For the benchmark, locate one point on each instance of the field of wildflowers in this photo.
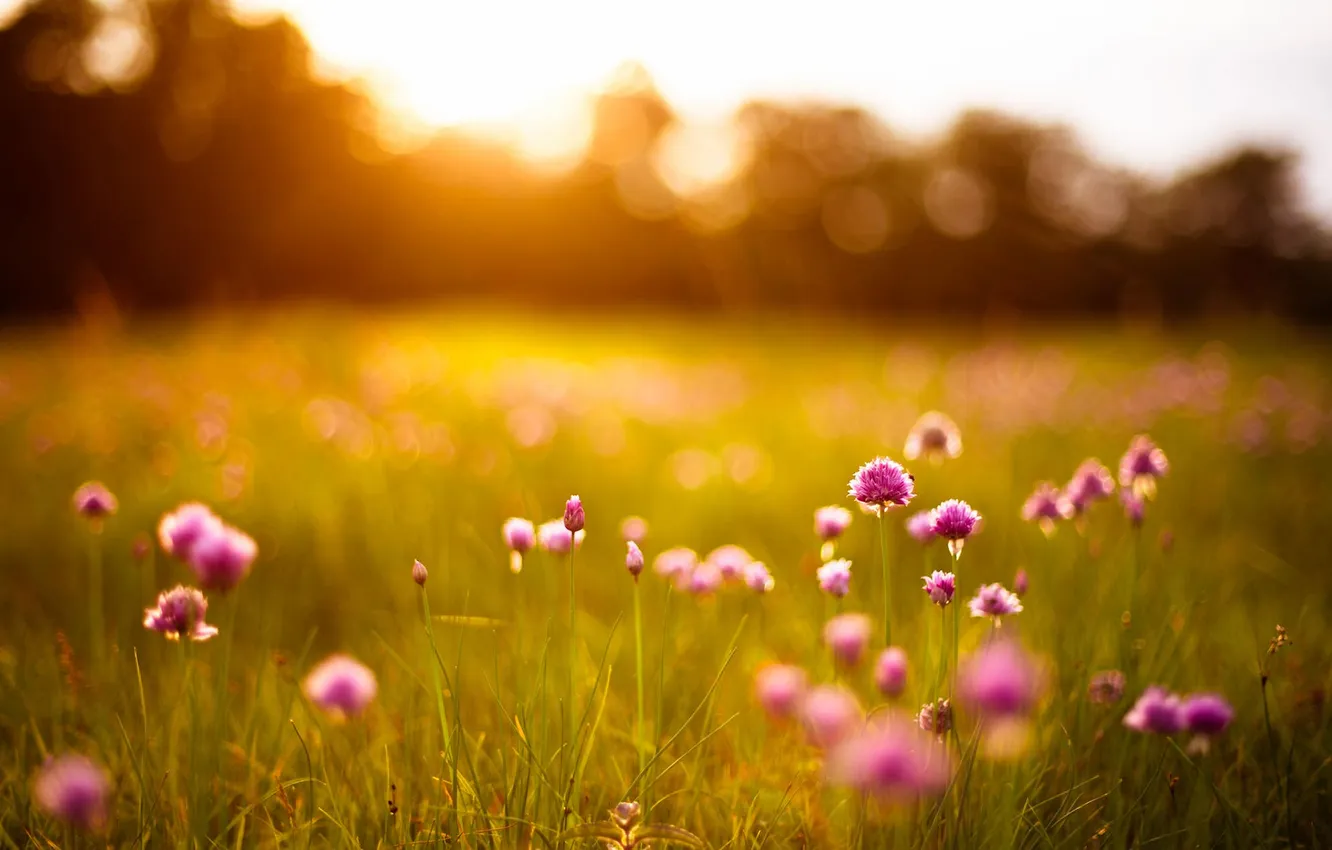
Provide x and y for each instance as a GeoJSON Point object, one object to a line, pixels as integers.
{"type": "Point", "coordinates": [314, 580]}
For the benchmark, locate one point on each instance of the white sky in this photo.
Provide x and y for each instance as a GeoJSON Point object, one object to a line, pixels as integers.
{"type": "Point", "coordinates": [1151, 83]}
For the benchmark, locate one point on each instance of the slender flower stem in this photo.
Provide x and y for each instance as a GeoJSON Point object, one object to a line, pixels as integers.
{"type": "Point", "coordinates": [943, 653]}
{"type": "Point", "coordinates": [957, 612]}
{"type": "Point", "coordinates": [639, 743]}
{"type": "Point", "coordinates": [570, 732]}
{"type": "Point", "coordinates": [95, 623]}
{"type": "Point", "coordinates": [887, 588]}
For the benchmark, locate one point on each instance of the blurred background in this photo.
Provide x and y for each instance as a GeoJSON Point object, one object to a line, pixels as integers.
{"type": "Point", "coordinates": [1168, 160]}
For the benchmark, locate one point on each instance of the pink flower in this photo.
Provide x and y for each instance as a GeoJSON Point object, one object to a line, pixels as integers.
{"type": "Point", "coordinates": [829, 714]}
{"type": "Point", "coordinates": [633, 559]}
{"type": "Point", "coordinates": [1046, 505]}
{"type": "Point", "coordinates": [419, 573]}
{"type": "Point", "coordinates": [93, 501]}
{"type": "Point", "coordinates": [520, 536]}
{"type": "Point", "coordinates": [779, 688]}
{"type": "Point", "coordinates": [554, 538]}
{"type": "Point", "coordinates": [1000, 680]}
{"type": "Point", "coordinates": [1157, 711]}
{"type": "Point", "coordinates": [831, 522]}
{"type": "Point", "coordinates": [1020, 582]}
{"type": "Point", "coordinates": [675, 562]}
{"type": "Point", "coordinates": [341, 685]}
{"type": "Point", "coordinates": [1141, 465]}
{"type": "Point", "coordinates": [891, 759]}
{"type": "Point", "coordinates": [835, 577]}
{"type": "Point", "coordinates": [73, 789]}
{"type": "Point", "coordinates": [954, 521]}
{"type": "Point", "coordinates": [882, 484]}
{"type": "Point", "coordinates": [1106, 687]}
{"type": "Point", "coordinates": [757, 577]}
{"type": "Point", "coordinates": [890, 673]}
{"type": "Point", "coordinates": [181, 529]}
{"type": "Point", "coordinates": [730, 560]}
{"type": "Point", "coordinates": [940, 586]}
{"type": "Point", "coordinates": [934, 436]}
{"type": "Point", "coordinates": [222, 558]}
{"type": "Point", "coordinates": [705, 579]}
{"type": "Point", "coordinates": [180, 613]}
{"type": "Point", "coordinates": [1091, 483]}
{"type": "Point", "coordinates": [574, 516]}
{"type": "Point", "coordinates": [847, 635]}
{"type": "Point", "coordinates": [1206, 714]}
{"type": "Point", "coordinates": [634, 529]}
{"type": "Point", "coordinates": [921, 527]}
{"type": "Point", "coordinates": [936, 717]}
{"type": "Point", "coordinates": [993, 600]}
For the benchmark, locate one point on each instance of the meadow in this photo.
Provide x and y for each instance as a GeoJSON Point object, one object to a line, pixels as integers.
{"type": "Point", "coordinates": [349, 447]}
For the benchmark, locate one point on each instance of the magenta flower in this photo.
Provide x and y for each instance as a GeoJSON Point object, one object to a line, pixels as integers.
{"type": "Point", "coordinates": [890, 672]}
{"type": "Point", "coordinates": [633, 559]}
{"type": "Point", "coordinates": [1046, 505]}
{"type": "Point", "coordinates": [936, 717]}
{"type": "Point", "coordinates": [1020, 582]}
{"type": "Point", "coordinates": [934, 436]}
{"type": "Point", "coordinates": [179, 530]}
{"type": "Point", "coordinates": [419, 573]}
{"type": "Point", "coordinates": [520, 536]}
{"type": "Point", "coordinates": [954, 521]}
{"type": "Point", "coordinates": [222, 558]}
{"type": "Point", "coordinates": [1157, 711]}
{"type": "Point", "coordinates": [993, 600]}
{"type": "Point", "coordinates": [940, 587]}
{"type": "Point", "coordinates": [835, 577]}
{"type": "Point", "coordinates": [554, 538]}
{"type": "Point", "coordinates": [1206, 714]}
{"type": "Point", "coordinates": [634, 529]}
{"type": "Point", "coordinates": [1091, 483]}
{"type": "Point", "coordinates": [779, 689]}
{"type": "Point", "coordinates": [72, 788]}
{"type": "Point", "coordinates": [1000, 680]}
{"type": "Point", "coordinates": [829, 714]}
{"type": "Point", "coordinates": [1106, 687]}
{"type": "Point", "coordinates": [847, 635]}
{"type": "Point", "coordinates": [93, 501]}
{"type": "Point", "coordinates": [705, 579]}
{"type": "Point", "coordinates": [921, 527]}
{"type": "Point", "coordinates": [757, 577]}
{"type": "Point", "coordinates": [341, 685]}
{"type": "Point", "coordinates": [730, 560]}
{"type": "Point", "coordinates": [882, 484]}
{"type": "Point", "coordinates": [831, 522]}
{"type": "Point", "coordinates": [675, 562]}
{"type": "Point", "coordinates": [1141, 465]}
{"type": "Point", "coordinates": [180, 613]}
{"type": "Point", "coordinates": [891, 760]}
{"type": "Point", "coordinates": [574, 516]}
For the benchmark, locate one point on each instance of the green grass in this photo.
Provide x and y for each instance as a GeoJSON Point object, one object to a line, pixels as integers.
{"type": "Point", "coordinates": [349, 446]}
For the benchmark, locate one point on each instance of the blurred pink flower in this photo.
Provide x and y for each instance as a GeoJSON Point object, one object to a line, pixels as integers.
{"type": "Point", "coordinates": [934, 436]}
{"type": "Point", "coordinates": [341, 685]}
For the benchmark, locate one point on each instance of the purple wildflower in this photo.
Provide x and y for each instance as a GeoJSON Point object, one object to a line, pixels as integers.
{"type": "Point", "coordinates": [779, 689]}
{"type": "Point", "coordinates": [940, 586]}
{"type": "Point", "coordinates": [1106, 687]}
{"type": "Point", "coordinates": [574, 516]}
{"type": "Point", "coordinates": [179, 530]}
{"type": "Point", "coordinates": [520, 536]}
{"type": "Point", "coordinates": [891, 759]}
{"type": "Point", "coordinates": [93, 501]}
{"type": "Point", "coordinates": [847, 635]}
{"type": "Point", "coordinates": [890, 672]}
{"type": "Point", "coordinates": [730, 560]}
{"type": "Point", "coordinates": [1000, 680]}
{"type": "Point", "coordinates": [222, 558]}
{"type": "Point", "coordinates": [936, 717]}
{"type": "Point", "coordinates": [829, 713]}
{"type": "Point", "coordinates": [674, 562]}
{"type": "Point", "coordinates": [882, 484]}
{"type": "Point", "coordinates": [993, 600]}
{"type": "Point", "coordinates": [1045, 505]}
{"type": "Point", "coordinates": [934, 436]}
{"type": "Point", "coordinates": [633, 559]}
{"type": "Point", "coordinates": [180, 613]}
{"type": "Point", "coordinates": [955, 521]}
{"type": "Point", "coordinates": [634, 529]}
{"type": "Point", "coordinates": [835, 577]}
{"type": "Point", "coordinates": [419, 573]}
{"type": "Point", "coordinates": [1207, 714]}
{"type": "Point", "coordinates": [341, 685]}
{"type": "Point", "coordinates": [1091, 482]}
{"type": "Point", "coordinates": [830, 523]}
{"type": "Point", "coordinates": [72, 788]}
{"type": "Point", "coordinates": [1158, 711]}
{"type": "Point", "coordinates": [921, 527]}
{"type": "Point", "coordinates": [758, 578]}
{"type": "Point", "coordinates": [1141, 465]}
{"type": "Point", "coordinates": [554, 538]}
{"type": "Point", "coordinates": [1020, 582]}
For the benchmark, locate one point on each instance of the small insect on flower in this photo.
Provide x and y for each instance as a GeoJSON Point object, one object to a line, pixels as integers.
{"type": "Point", "coordinates": [994, 600]}
{"type": "Point", "coordinates": [1141, 466]}
{"type": "Point", "coordinates": [954, 521]}
{"type": "Point", "coordinates": [1000, 680]}
{"type": "Point", "coordinates": [675, 562]}
{"type": "Point", "coordinates": [179, 530]}
{"type": "Point", "coordinates": [1045, 506]}
{"type": "Point", "coordinates": [554, 538]}
{"type": "Point", "coordinates": [1157, 711]}
{"type": "Point", "coordinates": [222, 558]}
{"type": "Point", "coordinates": [180, 613]}
{"type": "Point", "coordinates": [847, 635]}
{"type": "Point", "coordinates": [936, 717]}
{"type": "Point", "coordinates": [633, 559]}
{"type": "Point", "coordinates": [1106, 687]}
{"type": "Point", "coordinates": [892, 760]}
{"type": "Point", "coordinates": [829, 713]}
{"type": "Point", "coordinates": [730, 560]}
{"type": "Point", "coordinates": [1206, 714]}
{"type": "Point", "coordinates": [634, 529]}
{"type": "Point", "coordinates": [758, 579]}
{"type": "Point", "coordinates": [830, 523]}
{"type": "Point", "coordinates": [94, 501]}
{"type": "Point", "coordinates": [835, 577]}
{"type": "Point", "coordinates": [890, 672]}
{"type": "Point", "coordinates": [779, 689]}
{"type": "Point", "coordinates": [935, 437]}
{"type": "Point", "coordinates": [574, 516]}
{"type": "Point", "coordinates": [419, 573]}
{"type": "Point", "coordinates": [341, 685]}
{"type": "Point", "coordinates": [881, 484]}
{"type": "Point", "coordinates": [520, 536]}
{"type": "Point", "coordinates": [920, 526]}
{"type": "Point", "coordinates": [940, 587]}
{"type": "Point", "coordinates": [72, 788]}
{"type": "Point", "coordinates": [1091, 482]}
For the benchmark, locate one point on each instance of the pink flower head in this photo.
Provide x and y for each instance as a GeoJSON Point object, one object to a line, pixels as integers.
{"type": "Point", "coordinates": [520, 536]}
{"type": "Point", "coordinates": [1141, 465]}
{"type": "Point", "coordinates": [341, 685]}
{"type": "Point", "coordinates": [675, 562]}
{"type": "Point", "coordinates": [779, 688]}
{"type": "Point", "coordinates": [882, 484]}
{"type": "Point", "coordinates": [847, 635]}
{"type": "Point", "coordinates": [1135, 509]}
{"type": "Point", "coordinates": [1091, 483]}
{"type": "Point", "coordinates": [829, 713]}
{"type": "Point", "coordinates": [705, 579]}
{"type": "Point", "coordinates": [993, 600]}
{"type": "Point", "coordinates": [730, 560]}
{"type": "Point", "coordinates": [891, 759]}
{"type": "Point", "coordinates": [1157, 711]}
{"type": "Point", "coordinates": [1020, 582]}
{"type": "Point", "coordinates": [1046, 505]}
{"type": "Point", "coordinates": [574, 516]}
{"type": "Point", "coordinates": [831, 522]}
{"type": "Point", "coordinates": [634, 529]}
{"type": "Point", "coordinates": [1206, 714]}
{"type": "Point", "coordinates": [633, 559]}
{"type": "Point", "coordinates": [73, 789]}
{"type": "Point", "coordinates": [419, 573]}
{"type": "Point", "coordinates": [954, 521]}
{"type": "Point", "coordinates": [180, 613]}
{"type": "Point", "coordinates": [757, 577]}
{"type": "Point", "coordinates": [920, 526]}
{"type": "Point", "coordinates": [934, 436]}
{"type": "Point", "coordinates": [1106, 687]}
{"type": "Point", "coordinates": [890, 672]}
{"type": "Point", "coordinates": [179, 530]}
{"type": "Point", "coordinates": [835, 577]}
{"type": "Point", "coordinates": [940, 586]}
{"type": "Point", "coordinates": [1000, 680]}
{"type": "Point", "coordinates": [936, 717]}
{"type": "Point", "coordinates": [93, 501]}
{"type": "Point", "coordinates": [222, 558]}
{"type": "Point", "coordinates": [554, 538]}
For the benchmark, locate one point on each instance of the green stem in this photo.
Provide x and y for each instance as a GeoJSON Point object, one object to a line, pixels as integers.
{"type": "Point", "coordinates": [887, 588]}
{"type": "Point", "coordinates": [95, 622]}
{"type": "Point", "coordinates": [639, 743]}
{"type": "Point", "coordinates": [570, 732]}
{"type": "Point", "coordinates": [943, 654]}
{"type": "Point", "coordinates": [957, 613]}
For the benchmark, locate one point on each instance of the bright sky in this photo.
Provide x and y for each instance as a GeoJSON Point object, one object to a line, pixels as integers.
{"type": "Point", "coordinates": [1152, 83]}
